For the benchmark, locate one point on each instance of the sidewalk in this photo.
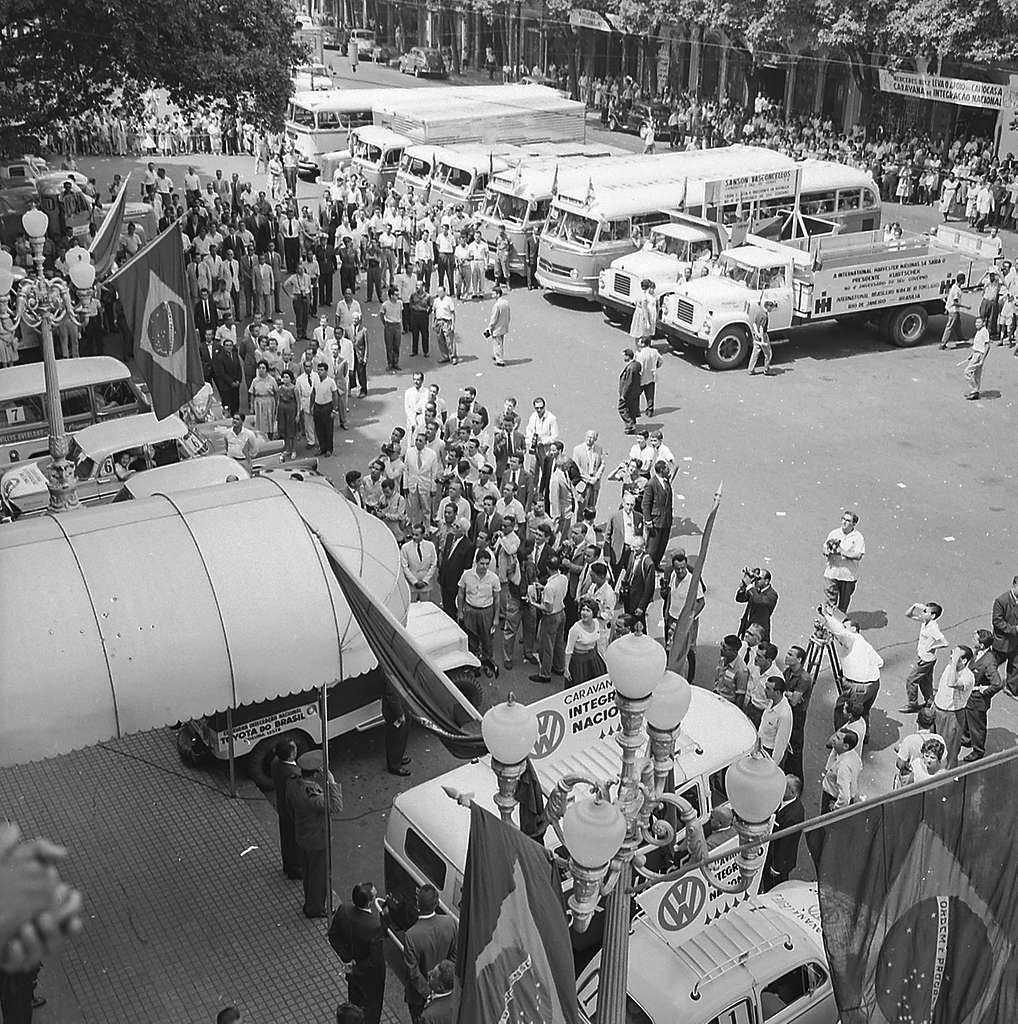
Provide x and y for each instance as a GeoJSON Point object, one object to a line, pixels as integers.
{"type": "Point", "coordinates": [186, 908]}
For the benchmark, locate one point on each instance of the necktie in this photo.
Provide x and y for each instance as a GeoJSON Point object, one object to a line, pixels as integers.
{"type": "Point", "coordinates": [448, 546]}
{"type": "Point", "coordinates": [420, 556]}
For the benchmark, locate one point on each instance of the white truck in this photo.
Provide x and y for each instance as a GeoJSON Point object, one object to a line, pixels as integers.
{"type": "Point", "coordinates": [853, 278]}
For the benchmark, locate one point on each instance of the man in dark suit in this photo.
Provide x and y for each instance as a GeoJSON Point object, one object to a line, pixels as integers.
{"type": "Point", "coordinates": [454, 557]}
{"type": "Point", "coordinates": [283, 768]}
{"type": "Point", "coordinates": [637, 583]}
{"type": "Point", "coordinates": [629, 390]}
{"type": "Point", "coordinates": [626, 522]}
{"type": "Point", "coordinates": [1005, 637]}
{"type": "Point", "coordinates": [206, 316]}
{"type": "Point", "coordinates": [443, 1005]}
{"type": "Point", "coordinates": [988, 685]}
{"type": "Point", "coordinates": [508, 441]}
{"type": "Point", "coordinates": [524, 481]}
{"type": "Point", "coordinates": [657, 511]}
{"type": "Point", "coordinates": [760, 599]}
{"type": "Point", "coordinates": [783, 854]}
{"type": "Point", "coordinates": [357, 935]}
{"type": "Point", "coordinates": [488, 521]}
{"type": "Point", "coordinates": [207, 349]}
{"type": "Point", "coordinates": [397, 731]}
{"type": "Point", "coordinates": [425, 945]}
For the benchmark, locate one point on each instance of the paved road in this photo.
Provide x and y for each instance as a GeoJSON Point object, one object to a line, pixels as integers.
{"type": "Point", "coordinates": [847, 422]}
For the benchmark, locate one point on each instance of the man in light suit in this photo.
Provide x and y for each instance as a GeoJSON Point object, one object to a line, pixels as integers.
{"type": "Point", "coordinates": [419, 562]}
{"type": "Point", "coordinates": [426, 944]}
{"type": "Point", "coordinates": [561, 500]}
{"type": "Point", "coordinates": [420, 472]}
{"type": "Point", "coordinates": [623, 527]}
{"type": "Point", "coordinates": [657, 511]}
{"type": "Point", "coordinates": [589, 459]}
{"type": "Point", "coordinates": [1005, 637]}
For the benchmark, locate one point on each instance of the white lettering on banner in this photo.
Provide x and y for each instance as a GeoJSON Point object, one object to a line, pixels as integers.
{"type": "Point", "coordinates": [963, 91]}
{"type": "Point", "coordinates": [750, 188]}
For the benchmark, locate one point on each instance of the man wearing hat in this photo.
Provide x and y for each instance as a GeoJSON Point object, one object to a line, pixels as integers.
{"type": "Point", "coordinates": [307, 798]}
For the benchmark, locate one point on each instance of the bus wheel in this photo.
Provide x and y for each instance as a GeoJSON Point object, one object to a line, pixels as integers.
{"type": "Point", "coordinates": [191, 747]}
{"type": "Point", "coordinates": [258, 763]}
{"type": "Point", "coordinates": [468, 684]}
{"type": "Point", "coordinates": [908, 326]}
{"type": "Point", "coordinates": [730, 349]}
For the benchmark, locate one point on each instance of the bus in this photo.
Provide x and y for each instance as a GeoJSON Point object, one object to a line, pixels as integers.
{"type": "Point", "coordinates": [597, 211]}
{"type": "Point", "coordinates": [375, 154]}
{"type": "Point", "coordinates": [321, 121]}
{"type": "Point", "coordinates": [461, 175]}
{"type": "Point", "coordinates": [93, 389]}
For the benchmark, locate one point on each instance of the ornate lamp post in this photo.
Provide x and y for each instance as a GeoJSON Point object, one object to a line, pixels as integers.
{"type": "Point", "coordinates": [42, 304]}
{"type": "Point", "coordinates": [609, 834]}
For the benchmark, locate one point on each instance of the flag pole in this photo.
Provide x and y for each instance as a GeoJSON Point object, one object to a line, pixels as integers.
{"type": "Point", "coordinates": [323, 712]}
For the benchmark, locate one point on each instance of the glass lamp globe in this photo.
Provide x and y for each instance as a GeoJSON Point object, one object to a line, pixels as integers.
{"type": "Point", "coordinates": [755, 787]}
{"type": "Point", "coordinates": [35, 223]}
{"type": "Point", "coordinates": [82, 275]}
{"type": "Point", "coordinates": [509, 731]}
{"type": "Point", "coordinates": [669, 702]}
{"type": "Point", "coordinates": [594, 831]}
{"type": "Point", "coordinates": [6, 260]}
{"type": "Point", "coordinates": [77, 255]}
{"type": "Point", "coordinates": [6, 281]}
{"type": "Point", "coordinates": [636, 665]}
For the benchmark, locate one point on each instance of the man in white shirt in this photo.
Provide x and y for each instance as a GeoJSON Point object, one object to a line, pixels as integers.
{"type": "Point", "coordinates": [414, 399]}
{"type": "Point", "coordinates": [508, 505]}
{"type": "Point", "coordinates": [419, 562]}
{"type": "Point", "coordinates": [420, 473]}
{"type": "Point", "coordinates": [542, 430]}
{"type": "Point", "coordinates": [956, 683]}
{"type": "Point", "coordinates": [840, 782]}
{"type": "Point", "coordinates": [305, 399]}
{"type": "Point", "coordinates": [976, 361]}
{"type": "Point", "coordinates": [456, 499]}
{"type": "Point", "coordinates": [348, 310]}
{"type": "Point", "coordinates": [860, 664]}
{"type": "Point", "coordinates": [446, 245]}
{"type": "Point", "coordinates": [775, 728]}
{"type": "Point", "coordinates": [931, 640]}
{"type": "Point", "coordinates": [952, 331]}
{"type": "Point", "coordinates": [594, 583]}
{"type": "Point", "coordinates": [284, 337]}
{"type": "Point", "coordinates": [652, 449]}
{"type": "Point", "coordinates": [241, 443]}
{"type": "Point", "coordinates": [551, 632]}
{"type": "Point", "coordinates": [444, 309]}
{"type": "Point", "coordinates": [843, 549]}
{"type": "Point", "coordinates": [650, 360]}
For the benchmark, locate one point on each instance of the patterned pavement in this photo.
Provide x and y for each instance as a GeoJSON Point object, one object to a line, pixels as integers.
{"type": "Point", "coordinates": [187, 909]}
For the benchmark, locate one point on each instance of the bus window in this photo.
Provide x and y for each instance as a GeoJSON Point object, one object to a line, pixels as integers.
{"type": "Point", "coordinates": [870, 199]}
{"type": "Point", "coordinates": [718, 792]}
{"type": "Point", "coordinates": [76, 405]}
{"type": "Point", "coordinates": [848, 199]}
{"type": "Point", "coordinates": [616, 230]}
{"type": "Point", "coordinates": [392, 158]}
{"type": "Point", "coordinates": [539, 211]}
{"type": "Point", "coordinates": [22, 412]}
{"type": "Point", "coordinates": [457, 177]}
{"type": "Point", "coordinates": [818, 203]}
{"type": "Point", "coordinates": [425, 858]}
{"type": "Point", "coordinates": [302, 116]}
{"type": "Point", "coordinates": [113, 399]}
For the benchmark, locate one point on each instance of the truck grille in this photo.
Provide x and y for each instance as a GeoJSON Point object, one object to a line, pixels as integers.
{"type": "Point", "coordinates": [684, 311]}
{"type": "Point", "coordinates": [623, 284]}
{"type": "Point", "coordinates": [553, 268]}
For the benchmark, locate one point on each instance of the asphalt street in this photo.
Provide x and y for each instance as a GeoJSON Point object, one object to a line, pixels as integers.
{"type": "Point", "coordinates": [846, 422]}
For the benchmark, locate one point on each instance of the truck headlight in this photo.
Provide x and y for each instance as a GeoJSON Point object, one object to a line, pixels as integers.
{"type": "Point", "coordinates": [574, 274]}
{"type": "Point", "coordinates": [601, 280]}
{"type": "Point", "coordinates": [706, 329]}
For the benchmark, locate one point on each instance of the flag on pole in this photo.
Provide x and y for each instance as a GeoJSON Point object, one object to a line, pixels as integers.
{"type": "Point", "coordinates": [554, 182]}
{"type": "Point", "coordinates": [432, 700]}
{"type": "Point", "coordinates": [682, 635]}
{"type": "Point", "coordinates": [103, 249]}
{"type": "Point", "coordinates": [515, 960]}
{"type": "Point", "coordinates": [919, 901]}
{"type": "Point", "coordinates": [152, 289]}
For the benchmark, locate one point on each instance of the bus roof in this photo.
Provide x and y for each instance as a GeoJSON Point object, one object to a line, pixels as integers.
{"type": "Point", "coordinates": [27, 378]}
{"type": "Point", "coordinates": [339, 99]}
{"type": "Point", "coordinates": [375, 135]}
{"type": "Point", "coordinates": [614, 201]}
{"type": "Point", "coordinates": [819, 174]}
{"type": "Point", "coordinates": [534, 177]}
{"type": "Point", "coordinates": [477, 158]}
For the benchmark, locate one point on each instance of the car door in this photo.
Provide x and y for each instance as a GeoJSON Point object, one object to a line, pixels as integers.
{"type": "Point", "coordinates": [776, 295]}
{"type": "Point", "coordinates": [106, 482]}
{"type": "Point", "coordinates": [801, 995]}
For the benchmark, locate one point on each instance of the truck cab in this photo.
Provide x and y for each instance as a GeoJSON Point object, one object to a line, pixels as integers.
{"type": "Point", "coordinates": [671, 255]}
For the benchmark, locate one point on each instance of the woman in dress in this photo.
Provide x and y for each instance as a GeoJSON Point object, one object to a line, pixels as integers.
{"type": "Point", "coordinates": [286, 414]}
{"type": "Point", "coordinates": [263, 399]}
{"type": "Point", "coordinates": [584, 646]}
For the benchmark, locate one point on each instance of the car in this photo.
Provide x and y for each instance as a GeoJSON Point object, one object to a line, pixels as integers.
{"type": "Point", "coordinates": [423, 60]}
{"type": "Point", "coordinates": [384, 53]}
{"type": "Point", "coordinates": [365, 38]}
{"type": "Point", "coordinates": [311, 76]}
{"type": "Point", "coordinates": [547, 82]}
{"type": "Point", "coordinates": [631, 117]}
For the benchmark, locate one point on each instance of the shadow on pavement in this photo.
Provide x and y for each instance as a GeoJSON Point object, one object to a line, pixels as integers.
{"type": "Point", "coordinates": [869, 620]}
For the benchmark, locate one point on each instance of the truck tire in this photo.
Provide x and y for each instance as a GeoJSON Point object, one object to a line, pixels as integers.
{"type": "Point", "coordinates": [191, 747]}
{"type": "Point", "coordinates": [907, 326]}
{"type": "Point", "coordinates": [258, 763]}
{"type": "Point", "coordinates": [468, 684]}
{"type": "Point", "coordinates": [730, 349]}
{"type": "Point", "coordinates": [884, 323]}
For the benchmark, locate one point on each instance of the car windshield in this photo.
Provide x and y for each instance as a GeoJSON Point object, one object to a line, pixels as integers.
{"type": "Point", "coordinates": [415, 166]}
{"type": "Point", "coordinates": [663, 243]}
{"type": "Point", "coordinates": [575, 228]}
{"type": "Point", "coordinates": [741, 273]}
{"type": "Point", "coordinates": [455, 177]}
{"type": "Point", "coordinates": [508, 208]}
{"type": "Point", "coordinates": [367, 152]}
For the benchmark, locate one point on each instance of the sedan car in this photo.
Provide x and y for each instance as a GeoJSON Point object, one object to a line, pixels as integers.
{"type": "Point", "coordinates": [420, 61]}
{"type": "Point", "coordinates": [631, 117]}
{"type": "Point", "coordinates": [365, 39]}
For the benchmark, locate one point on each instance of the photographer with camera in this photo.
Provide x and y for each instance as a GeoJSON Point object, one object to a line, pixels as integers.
{"type": "Point", "coordinates": [759, 597]}
{"type": "Point", "coordinates": [843, 550]}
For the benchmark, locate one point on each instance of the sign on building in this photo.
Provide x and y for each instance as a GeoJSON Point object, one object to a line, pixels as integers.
{"type": "Point", "coordinates": [963, 91]}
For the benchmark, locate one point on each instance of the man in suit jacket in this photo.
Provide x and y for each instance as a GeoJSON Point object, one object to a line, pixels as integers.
{"type": "Point", "coordinates": [488, 521]}
{"type": "Point", "coordinates": [629, 390]}
{"type": "Point", "coordinates": [247, 264]}
{"type": "Point", "coordinates": [623, 526]}
{"type": "Point", "coordinates": [207, 348]}
{"type": "Point", "coordinates": [760, 599]}
{"type": "Point", "coordinates": [425, 945]}
{"type": "Point", "coordinates": [561, 499]}
{"type": "Point", "coordinates": [638, 580]}
{"type": "Point", "coordinates": [508, 441]}
{"type": "Point", "coordinates": [988, 684]}
{"type": "Point", "coordinates": [455, 557]}
{"type": "Point", "coordinates": [419, 562]}
{"type": "Point", "coordinates": [783, 854]}
{"type": "Point", "coordinates": [1005, 637]}
{"type": "Point", "coordinates": [523, 480]}
{"type": "Point", "coordinates": [283, 768]}
{"type": "Point", "coordinates": [357, 935]}
{"type": "Point", "coordinates": [589, 459]}
{"type": "Point", "coordinates": [443, 1005]}
{"type": "Point", "coordinates": [206, 315]}
{"type": "Point", "coordinates": [657, 511]}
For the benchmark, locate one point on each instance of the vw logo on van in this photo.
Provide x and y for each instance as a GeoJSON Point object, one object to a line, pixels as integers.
{"type": "Point", "coordinates": [551, 729]}
{"type": "Point", "coordinates": [682, 904]}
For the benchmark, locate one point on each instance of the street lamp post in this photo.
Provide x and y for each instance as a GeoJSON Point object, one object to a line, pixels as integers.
{"type": "Point", "coordinates": [42, 304]}
{"type": "Point", "coordinates": [609, 835]}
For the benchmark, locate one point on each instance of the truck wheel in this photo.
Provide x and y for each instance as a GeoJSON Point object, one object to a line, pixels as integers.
{"type": "Point", "coordinates": [884, 323]}
{"type": "Point", "coordinates": [468, 684]}
{"type": "Point", "coordinates": [908, 326]}
{"type": "Point", "coordinates": [730, 349]}
{"type": "Point", "coordinates": [258, 763]}
{"type": "Point", "coordinates": [191, 747]}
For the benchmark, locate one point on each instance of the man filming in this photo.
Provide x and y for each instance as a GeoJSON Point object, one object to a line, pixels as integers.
{"type": "Point", "coordinates": [759, 597]}
{"type": "Point", "coordinates": [843, 550]}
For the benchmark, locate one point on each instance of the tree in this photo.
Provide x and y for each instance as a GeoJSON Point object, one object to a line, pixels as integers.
{"type": "Point", "coordinates": [61, 59]}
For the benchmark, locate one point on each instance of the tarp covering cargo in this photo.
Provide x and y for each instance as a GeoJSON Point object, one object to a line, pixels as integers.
{"type": "Point", "coordinates": [133, 615]}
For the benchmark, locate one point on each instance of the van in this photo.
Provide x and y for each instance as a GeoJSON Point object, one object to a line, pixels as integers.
{"type": "Point", "coordinates": [427, 832]}
{"type": "Point", "coordinates": [93, 389]}
{"type": "Point", "coordinates": [376, 154]}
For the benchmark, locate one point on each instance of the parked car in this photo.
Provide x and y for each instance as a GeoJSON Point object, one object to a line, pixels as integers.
{"type": "Point", "coordinates": [365, 41]}
{"type": "Point", "coordinates": [631, 117]}
{"type": "Point", "coordinates": [311, 76]}
{"type": "Point", "coordinates": [423, 60]}
{"type": "Point", "coordinates": [384, 53]}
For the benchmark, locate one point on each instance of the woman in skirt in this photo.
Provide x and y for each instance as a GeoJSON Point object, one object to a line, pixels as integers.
{"type": "Point", "coordinates": [584, 645]}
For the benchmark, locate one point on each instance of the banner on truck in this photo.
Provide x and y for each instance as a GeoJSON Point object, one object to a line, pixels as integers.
{"type": "Point", "coordinates": [751, 188]}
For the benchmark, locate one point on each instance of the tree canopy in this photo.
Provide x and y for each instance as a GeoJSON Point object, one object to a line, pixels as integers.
{"type": "Point", "coordinates": [64, 58]}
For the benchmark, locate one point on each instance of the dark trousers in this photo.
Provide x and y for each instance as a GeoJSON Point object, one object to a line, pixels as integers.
{"type": "Point", "coordinates": [418, 331]}
{"type": "Point", "coordinates": [347, 279]}
{"type": "Point", "coordinates": [300, 314]}
{"type": "Point", "coordinates": [532, 274]}
{"type": "Point", "coordinates": [445, 272]}
{"type": "Point", "coordinates": [449, 602]}
{"type": "Point", "coordinates": [406, 317]}
{"type": "Point", "coordinates": [647, 390]}
{"type": "Point", "coordinates": [862, 694]}
{"type": "Point", "coordinates": [826, 802]}
{"type": "Point", "coordinates": [323, 428]}
{"type": "Point", "coordinates": [975, 724]}
{"type": "Point", "coordinates": [17, 990]}
{"type": "Point", "coordinates": [920, 680]}
{"type": "Point", "coordinates": [629, 410]}
{"type": "Point", "coordinates": [657, 541]}
{"type": "Point", "coordinates": [838, 593]}
{"type": "Point", "coordinates": [360, 375]}
{"type": "Point", "coordinates": [289, 851]}
{"type": "Point", "coordinates": [1010, 661]}
{"type": "Point", "coordinates": [393, 335]}
{"type": "Point", "coordinates": [325, 289]}
{"type": "Point", "coordinates": [988, 310]}
{"type": "Point", "coordinates": [315, 882]}
{"type": "Point", "coordinates": [396, 737]}
{"type": "Point", "coordinates": [374, 281]}
{"type": "Point", "coordinates": [365, 988]}
{"type": "Point", "coordinates": [291, 253]}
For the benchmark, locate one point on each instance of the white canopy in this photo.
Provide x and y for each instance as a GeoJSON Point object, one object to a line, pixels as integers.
{"type": "Point", "coordinates": [128, 616]}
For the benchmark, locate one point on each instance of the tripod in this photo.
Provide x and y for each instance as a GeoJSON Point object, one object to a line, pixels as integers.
{"type": "Point", "coordinates": [820, 642]}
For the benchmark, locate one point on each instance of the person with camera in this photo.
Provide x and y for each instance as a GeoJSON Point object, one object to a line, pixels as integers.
{"type": "Point", "coordinates": [759, 597]}
{"type": "Point", "coordinates": [356, 934]}
{"type": "Point", "coordinates": [843, 550]}
{"type": "Point", "coordinates": [860, 664]}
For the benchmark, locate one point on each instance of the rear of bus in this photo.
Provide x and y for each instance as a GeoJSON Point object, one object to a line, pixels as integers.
{"type": "Point", "coordinates": [376, 154]}
{"type": "Point", "coordinates": [93, 389]}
